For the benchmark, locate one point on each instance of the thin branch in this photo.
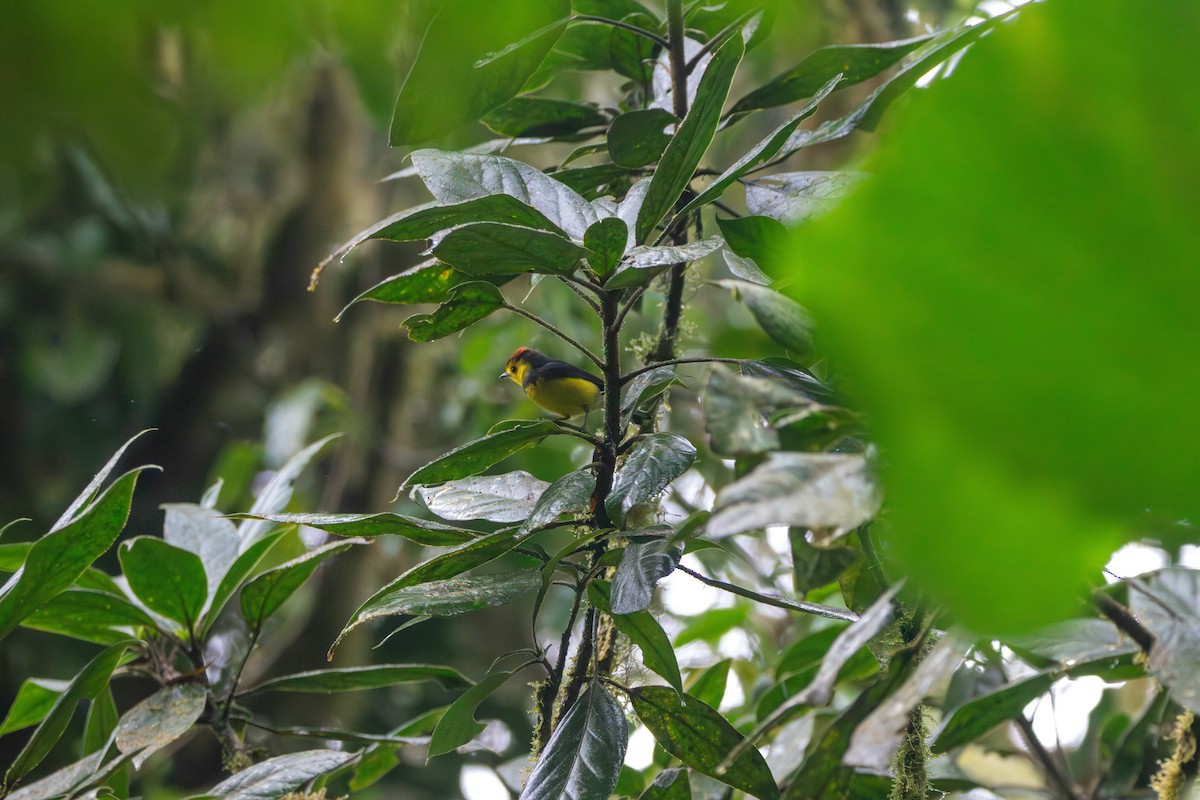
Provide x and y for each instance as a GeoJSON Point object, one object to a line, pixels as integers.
{"type": "Point", "coordinates": [555, 330]}
{"type": "Point", "coordinates": [578, 433]}
{"type": "Point", "coordinates": [775, 600]}
{"type": "Point", "coordinates": [616, 23]}
{"type": "Point", "coordinates": [574, 285]}
{"type": "Point", "coordinates": [237, 678]}
{"type": "Point", "coordinates": [671, 362]}
{"type": "Point", "coordinates": [592, 286]}
{"type": "Point", "coordinates": [1123, 618]}
{"type": "Point", "coordinates": [1046, 761]}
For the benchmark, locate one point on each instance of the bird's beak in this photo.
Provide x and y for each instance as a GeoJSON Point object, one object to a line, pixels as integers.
{"type": "Point", "coordinates": [504, 375]}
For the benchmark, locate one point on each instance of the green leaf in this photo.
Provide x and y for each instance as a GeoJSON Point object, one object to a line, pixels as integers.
{"type": "Point", "coordinates": [245, 564]}
{"type": "Point", "coordinates": [542, 116]}
{"type": "Point", "coordinates": [764, 151]}
{"type": "Point", "coordinates": [61, 782]}
{"type": "Point", "coordinates": [56, 560]}
{"type": "Point", "coordinates": [34, 700]}
{"type": "Point", "coordinates": [12, 555]}
{"type": "Point", "coordinates": [428, 282]}
{"type": "Point", "coordinates": [782, 318]}
{"type": "Point", "coordinates": [442, 566]}
{"type": "Point", "coordinates": [168, 580]}
{"type": "Point", "coordinates": [690, 143]}
{"type": "Point", "coordinates": [421, 531]}
{"type": "Point", "coordinates": [458, 726]}
{"type": "Point", "coordinates": [643, 388]}
{"type": "Point", "coordinates": [570, 494]}
{"type": "Point", "coordinates": [821, 773]}
{"type": "Point", "coordinates": [649, 467]}
{"type": "Point", "coordinates": [204, 532]}
{"type": "Point", "coordinates": [670, 784]}
{"type": "Point", "coordinates": [88, 683]}
{"type": "Point", "coordinates": [458, 177]}
{"type": "Point", "coordinates": [510, 497]}
{"type": "Point", "coordinates": [89, 615]}
{"type": "Point", "coordinates": [93, 488]}
{"type": "Point", "coordinates": [643, 263]}
{"type": "Point", "coordinates": [159, 720]}
{"type": "Point", "coordinates": [606, 239]}
{"type": "Point", "coordinates": [709, 686]}
{"type": "Point", "coordinates": [976, 717]}
{"type": "Point", "coordinates": [641, 628]}
{"type": "Point", "coordinates": [813, 490]}
{"type": "Point", "coordinates": [424, 222]}
{"type": "Point", "coordinates": [493, 248]}
{"type": "Point", "coordinates": [1167, 602]}
{"type": "Point", "coordinates": [638, 138]}
{"type": "Point", "coordinates": [794, 197]}
{"type": "Point", "coordinates": [275, 777]}
{"type": "Point", "coordinates": [736, 409]}
{"type": "Point", "coordinates": [1074, 641]}
{"type": "Point", "coordinates": [1036, 436]}
{"type": "Point", "coordinates": [763, 239]}
{"type": "Point", "coordinates": [474, 457]}
{"type": "Point", "coordinates": [854, 63]}
{"type": "Point", "coordinates": [452, 596]}
{"type": "Point", "coordinates": [262, 597]}
{"type": "Point", "coordinates": [447, 87]}
{"type": "Point", "coordinates": [354, 679]}
{"type": "Point", "coordinates": [709, 626]}
{"type": "Point", "coordinates": [102, 720]}
{"type": "Point", "coordinates": [584, 755]}
{"type": "Point", "coordinates": [274, 497]}
{"type": "Point", "coordinates": [701, 738]}
{"type": "Point", "coordinates": [468, 303]}
{"type": "Point", "coordinates": [642, 565]}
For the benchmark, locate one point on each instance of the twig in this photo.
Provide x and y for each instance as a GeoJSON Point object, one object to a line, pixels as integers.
{"type": "Point", "coordinates": [574, 285]}
{"type": "Point", "coordinates": [632, 301]}
{"type": "Point", "coordinates": [555, 330]}
{"type": "Point", "coordinates": [616, 23]}
{"type": "Point", "coordinates": [1046, 760]}
{"type": "Point", "coordinates": [775, 600]}
{"type": "Point", "coordinates": [1124, 619]}
{"type": "Point", "coordinates": [673, 361]}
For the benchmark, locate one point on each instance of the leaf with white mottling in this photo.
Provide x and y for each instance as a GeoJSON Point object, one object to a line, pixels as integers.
{"type": "Point", "coordinates": [270, 779]}
{"type": "Point", "coordinates": [510, 497]}
{"type": "Point", "coordinates": [159, 720]}
{"type": "Point", "coordinates": [811, 490]}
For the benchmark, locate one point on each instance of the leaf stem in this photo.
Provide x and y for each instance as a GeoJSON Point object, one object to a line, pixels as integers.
{"type": "Point", "coordinates": [555, 330]}
{"type": "Point", "coordinates": [616, 23]}
{"type": "Point", "coordinates": [800, 606]}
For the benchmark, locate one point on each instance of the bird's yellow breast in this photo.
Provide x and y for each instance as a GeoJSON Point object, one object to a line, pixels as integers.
{"type": "Point", "coordinates": [567, 397]}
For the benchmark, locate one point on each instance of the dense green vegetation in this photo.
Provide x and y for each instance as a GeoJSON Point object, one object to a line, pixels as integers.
{"type": "Point", "coordinates": [851, 559]}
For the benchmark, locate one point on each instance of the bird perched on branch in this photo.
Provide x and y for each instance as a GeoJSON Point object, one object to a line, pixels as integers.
{"type": "Point", "coordinates": [560, 388]}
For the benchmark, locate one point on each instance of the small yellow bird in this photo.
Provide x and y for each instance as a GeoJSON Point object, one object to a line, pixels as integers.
{"type": "Point", "coordinates": [558, 387]}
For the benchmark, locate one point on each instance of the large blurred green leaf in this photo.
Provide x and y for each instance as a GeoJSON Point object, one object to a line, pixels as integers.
{"type": "Point", "coordinates": [1032, 381]}
{"type": "Point", "coordinates": [467, 66]}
